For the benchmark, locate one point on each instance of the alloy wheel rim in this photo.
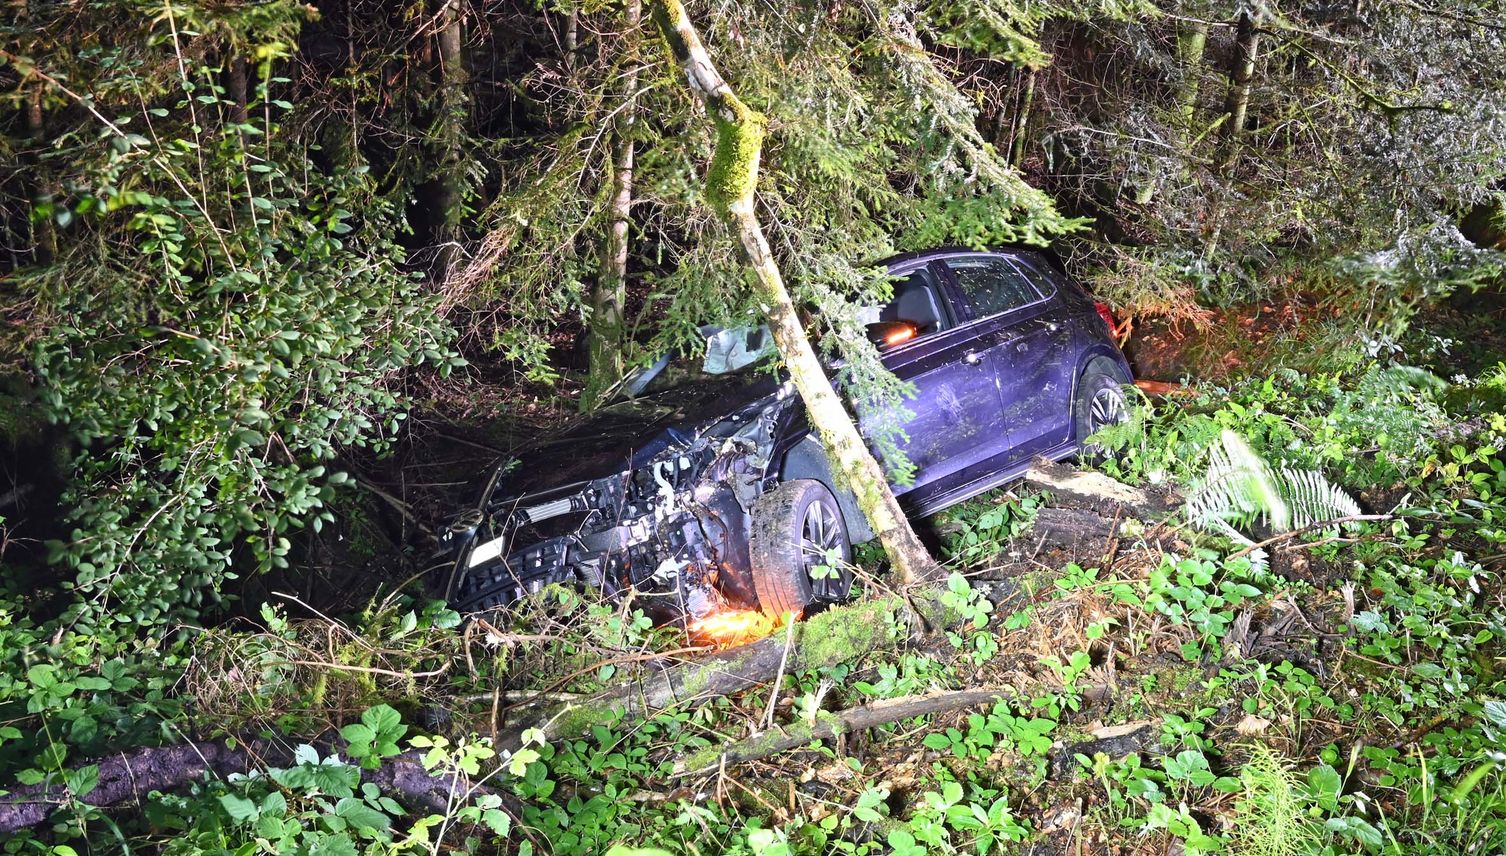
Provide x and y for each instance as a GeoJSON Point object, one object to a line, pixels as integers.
{"type": "Point", "coordinates": [1106, 408]}
{"type": "Point", "coordinates": [820, 534]}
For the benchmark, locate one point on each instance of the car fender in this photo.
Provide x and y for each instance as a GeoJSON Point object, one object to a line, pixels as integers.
{"type": "Point", "coordinates": [1097, 350]}
{"type": "Point", "coordinates": [807, 460]}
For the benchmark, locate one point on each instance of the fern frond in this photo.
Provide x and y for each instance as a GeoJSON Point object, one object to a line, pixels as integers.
{"type": "Point", "coordinates": [1240, 488]}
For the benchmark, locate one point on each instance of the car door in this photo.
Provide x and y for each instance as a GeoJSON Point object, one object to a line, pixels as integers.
{"type": "Point", "coordinates": [1027, 345]}
{"type": "Point", "coordinates": [951, 419]}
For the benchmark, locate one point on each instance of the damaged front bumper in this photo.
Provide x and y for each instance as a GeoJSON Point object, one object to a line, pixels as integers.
{"type": "Point", "coordinates": [671, 530]}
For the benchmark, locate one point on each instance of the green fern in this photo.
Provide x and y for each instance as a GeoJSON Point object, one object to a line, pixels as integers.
{"type": "Point", "coordinates": [1240, 489]}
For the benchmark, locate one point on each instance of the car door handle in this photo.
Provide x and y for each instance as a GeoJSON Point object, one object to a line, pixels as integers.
{"type": "Point", "coordinates": [972, 358]}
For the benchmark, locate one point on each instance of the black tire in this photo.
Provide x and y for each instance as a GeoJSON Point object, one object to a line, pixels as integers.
{"type": "Point", "coordinates": [794, 526]}
{"type": "Point", "coordinates": [1099, 401]}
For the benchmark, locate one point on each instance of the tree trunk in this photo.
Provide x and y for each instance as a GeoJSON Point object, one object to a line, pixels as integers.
{"type": "Point", "coordinates": [449, 182]}
{"type": "Point", "coordinates": [731, 181]}
{"type": "Point", "coordinates": [1022, 122]}
{"type": "Point", "coordinates": [128, 776]}
{"type": "Point", "coordinates": [44, 234]}
{"type": "Point", "coordinates": [1241, 73]}
{"type": "Point", "coordinates": [1192, 42]}
{"type": "Point", "coordinates": [605, 326]}
{"type": "Point", "coordinates": [235, 87]}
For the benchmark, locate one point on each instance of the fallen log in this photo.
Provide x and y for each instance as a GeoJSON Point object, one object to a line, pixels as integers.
{"type": "Point", "coordinates": [831, 725]}
{"type": "Point", "coordinates": [828, 638]}
{"type": "Point", "coordinates": [127, 777]}
{"type": "Point", "coordinates": [1098, 492]}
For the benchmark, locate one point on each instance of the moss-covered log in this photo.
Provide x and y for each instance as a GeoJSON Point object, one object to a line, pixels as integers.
{"type": "Point", "coordinates": [731, 181]}
{"type": "Point", "coordinates": [829, 638]}
{"type": "Point", "coordinates": [126, 777]}
{"type": "Point", "coordinates": [831, 725]}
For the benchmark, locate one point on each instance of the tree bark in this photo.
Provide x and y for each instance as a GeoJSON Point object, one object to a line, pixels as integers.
{"type": "Point", "coordinates": [129, 776]}
{"type": "Point", "coordinates": [1192, 43]}
{"type": "Point", "coordinates": [1097, 491]}
{"type": "Point", "coordinates": [450, 180]}
{"type": "Point", "coordinates": [1241, 74]}
{"type": "Point", "coordinates": [605, 326]}
{"type": "Point", "coordinates": [1021, 128]}
{"type": "Point", "coordinates": [235, 87]}
{"type": "Point", "coordinates": [731, 182]}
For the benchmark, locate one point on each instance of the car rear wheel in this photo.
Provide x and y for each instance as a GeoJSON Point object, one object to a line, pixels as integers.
{"type": "Point", "coordinates": [1100, 402]}
{"type": "Point", "coordinates": [799, 549]}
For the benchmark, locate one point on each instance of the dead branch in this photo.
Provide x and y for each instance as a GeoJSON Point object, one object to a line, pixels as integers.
{"type": "Point", "coordinates": [832, 725]}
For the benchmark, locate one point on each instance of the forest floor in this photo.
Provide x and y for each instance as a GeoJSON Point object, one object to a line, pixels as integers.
{"type": "Point", "coordinates": [1149, 689]}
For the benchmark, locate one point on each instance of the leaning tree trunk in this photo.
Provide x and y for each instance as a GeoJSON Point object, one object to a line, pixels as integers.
{"type": "Point", "coordinates": [730, 184]}
{"type": "Point", "coordinates": [604, 329]}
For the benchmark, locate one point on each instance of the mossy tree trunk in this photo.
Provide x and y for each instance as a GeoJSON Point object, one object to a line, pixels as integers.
{"type": "Point", "coordinates": [731, 182]}
{"type": "Point", "coordinates": [1241, 76]}
{"type": "Point", "coordinates": [605, 326]}
{"type": "Point", "coordinates": [1021, 128]}
{"type": "Point", "coordinates": [1192, 43]}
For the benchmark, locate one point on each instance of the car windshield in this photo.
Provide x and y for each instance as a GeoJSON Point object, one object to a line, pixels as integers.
{"type": "Point", "coordinates": [726, 351]}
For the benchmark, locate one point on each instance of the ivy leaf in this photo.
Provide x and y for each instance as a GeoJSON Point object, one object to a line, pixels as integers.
{"type": "Point", "coordinates": [362, 817]}
{"type": "Point", "coordinates": [239, 808]}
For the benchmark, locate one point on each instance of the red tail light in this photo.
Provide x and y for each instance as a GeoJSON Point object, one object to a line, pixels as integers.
{"type": "Point", "coordinates": [1107, 315]}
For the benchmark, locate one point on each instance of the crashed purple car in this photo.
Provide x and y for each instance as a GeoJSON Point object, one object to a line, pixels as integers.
{"type": "Point", "coordinates": [703, 488]}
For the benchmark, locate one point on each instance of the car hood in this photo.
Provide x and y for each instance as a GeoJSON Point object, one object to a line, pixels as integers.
{"type": "Point", "coordinates": [624, 435]}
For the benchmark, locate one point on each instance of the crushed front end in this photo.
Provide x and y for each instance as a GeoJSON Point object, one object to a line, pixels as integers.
{"type": "Point", "coordinates": [671, 527]}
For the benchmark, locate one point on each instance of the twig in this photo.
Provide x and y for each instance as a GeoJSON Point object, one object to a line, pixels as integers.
{"type": "Point", "coordinates": [371, 670]}
{"type": "Point", "coordinates": [1322, 524]}
{"type": "Point", "coordinates": [789, 642]}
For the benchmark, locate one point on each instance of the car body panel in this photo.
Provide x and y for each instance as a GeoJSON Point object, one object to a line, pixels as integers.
{"type": "Point", "coordinates": [654, 494]}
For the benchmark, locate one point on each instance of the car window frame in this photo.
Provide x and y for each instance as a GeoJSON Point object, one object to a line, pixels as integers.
{"type": "Point", "coordinates": [949, 307]}
{"type": "Point", "coordinates": [963, 305]}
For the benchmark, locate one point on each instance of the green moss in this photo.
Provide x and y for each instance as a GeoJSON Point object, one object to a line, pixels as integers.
{"type": "Point", "coordinates": [733, 174]}
{"type": "Point", "coordinates": [844, 633]}
{"type": "Point", "coordinates": [576, 720]}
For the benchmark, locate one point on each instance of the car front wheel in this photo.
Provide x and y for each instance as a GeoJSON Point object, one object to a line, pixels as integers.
{"type": "Point", "coordinates": [799, 549]}
{"type": "Point", "coordinates": [1099, 403]}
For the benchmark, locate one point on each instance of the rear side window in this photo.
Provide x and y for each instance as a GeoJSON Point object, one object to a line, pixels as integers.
{"type": "Point", "coordinates": [1037, 276]}
{"type": "Point", "coordinates": [991, 284]}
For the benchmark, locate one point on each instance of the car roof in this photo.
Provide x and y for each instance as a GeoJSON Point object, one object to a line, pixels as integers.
{"type": "Point", "coordinates": [942, 252]}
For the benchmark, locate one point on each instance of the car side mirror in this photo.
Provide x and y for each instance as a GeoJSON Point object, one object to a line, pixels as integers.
{"type": "Point", "coordinates": [887, 334]}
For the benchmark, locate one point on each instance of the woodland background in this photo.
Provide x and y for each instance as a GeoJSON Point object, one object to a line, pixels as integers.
{"type": "Point", "coordinates": [261, 258]}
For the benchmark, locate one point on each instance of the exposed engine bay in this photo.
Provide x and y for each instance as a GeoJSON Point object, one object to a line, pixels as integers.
{"type": "Point", "coordinates": [671, 528]}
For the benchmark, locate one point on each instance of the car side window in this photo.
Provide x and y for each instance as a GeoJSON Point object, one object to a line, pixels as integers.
{"type": "Point", "coordinates": [991, 284]}
{"type": "Point", "coordinates": [916, 308]}
{"type": "Point", "coordinates": [1037, 275]}
{"type": "Point", "coordinates": [918, 300]}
